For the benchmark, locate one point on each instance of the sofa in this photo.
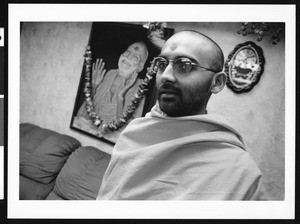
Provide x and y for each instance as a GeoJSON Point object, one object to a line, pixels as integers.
{"type": "Point", "coordinates": [55, 166]}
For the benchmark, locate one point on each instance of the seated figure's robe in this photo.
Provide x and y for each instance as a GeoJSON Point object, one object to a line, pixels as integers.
{"type": "Point", "coordinates": [105, 105]}
{"type": "Point", "coordinates": [197, 157]}
{"type": "Point", "coordinates": [105, 99]}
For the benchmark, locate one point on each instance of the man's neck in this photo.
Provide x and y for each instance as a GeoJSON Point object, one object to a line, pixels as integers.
{"type": "Point", "coordinates": [201, 112]}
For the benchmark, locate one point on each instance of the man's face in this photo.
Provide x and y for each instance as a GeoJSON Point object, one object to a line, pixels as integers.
{"type": "Point", "coordinates": [183, 95]}
{"type": "Point", "coordinates": [132, 59]}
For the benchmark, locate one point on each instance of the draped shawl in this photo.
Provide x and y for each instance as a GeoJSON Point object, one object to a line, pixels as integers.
{"type": "Point", "coordinates": [197, 157]}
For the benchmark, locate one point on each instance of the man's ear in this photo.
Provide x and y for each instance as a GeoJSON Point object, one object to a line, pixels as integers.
{"type": "Point", "coordinates": [218, 82]}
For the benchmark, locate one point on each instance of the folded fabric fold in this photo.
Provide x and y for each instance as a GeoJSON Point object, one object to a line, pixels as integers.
{"type": "Point", "coordinates": [188, 158]}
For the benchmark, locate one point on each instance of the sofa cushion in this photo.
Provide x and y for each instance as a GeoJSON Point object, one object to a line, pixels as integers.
{"type": "Point", "coordinates": [53, 196]}
{"type": "Point", "coordinates": [43, 152]}
{"type": "Point", "coordinates": [32, 190]}
{"type": "Point", "coordinates": [81, 177]}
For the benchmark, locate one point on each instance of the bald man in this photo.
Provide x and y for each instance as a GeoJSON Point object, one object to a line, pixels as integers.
{"type": "Point", "coordinates": [178, 151]}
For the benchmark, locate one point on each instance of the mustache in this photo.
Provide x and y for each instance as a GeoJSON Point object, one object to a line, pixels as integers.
{"type": "Point", "coordinates": [166, 87]}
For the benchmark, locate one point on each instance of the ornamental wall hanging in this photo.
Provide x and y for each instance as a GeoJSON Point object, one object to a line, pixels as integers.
{"type": "Point", "coordinates": [117, 83]}
{"type": "Point", "coordinates": [244, 67]}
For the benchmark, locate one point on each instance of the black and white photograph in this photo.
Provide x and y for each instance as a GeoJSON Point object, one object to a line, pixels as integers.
{"type": "Point", "coordinates": [151, 111]}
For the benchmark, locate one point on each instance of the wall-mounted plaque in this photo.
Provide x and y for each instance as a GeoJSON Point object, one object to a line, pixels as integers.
{"type": "Point", "coordinates": [244, 66]}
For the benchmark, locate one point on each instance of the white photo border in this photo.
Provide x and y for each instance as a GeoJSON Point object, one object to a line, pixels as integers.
{"type": "Point", "coordinates": [148, 209]}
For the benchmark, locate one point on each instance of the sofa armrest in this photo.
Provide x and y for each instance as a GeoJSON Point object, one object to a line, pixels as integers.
{"type": "Point", "coordinates": [32, 190]}
{"type": "Point", "coordinates": [43, 152]}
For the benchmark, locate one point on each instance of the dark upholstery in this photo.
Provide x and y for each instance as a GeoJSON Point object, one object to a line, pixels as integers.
{"type": "Point", "coordinates": [33, 190]}
{"type": "Point", "coordinates": [82, 174]}
{"type": "Point", "coordinates": [43, 152]}
{"type": "Point", "coordinates": [54, 166]}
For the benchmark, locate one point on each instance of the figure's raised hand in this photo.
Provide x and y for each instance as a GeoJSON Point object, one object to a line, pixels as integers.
{"type": "Point", "coordinates": [98, 72]}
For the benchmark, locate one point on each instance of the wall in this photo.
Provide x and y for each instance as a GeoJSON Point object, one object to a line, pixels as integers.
{"type": "Point", "coordinates": [51, 63]}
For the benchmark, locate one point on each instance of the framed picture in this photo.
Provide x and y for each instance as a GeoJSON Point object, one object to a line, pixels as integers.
{"type": "Point", "coordinates": [115, 69]}
{"type": "Point", "coordinates": [244, 66]}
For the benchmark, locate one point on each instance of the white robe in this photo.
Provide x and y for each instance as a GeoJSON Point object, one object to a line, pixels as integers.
{"type": "Point", "coordinates": [197, 157]}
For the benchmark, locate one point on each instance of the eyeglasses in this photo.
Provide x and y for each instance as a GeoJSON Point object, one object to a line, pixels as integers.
{"type": "Point", "coordinates": [182, 66]}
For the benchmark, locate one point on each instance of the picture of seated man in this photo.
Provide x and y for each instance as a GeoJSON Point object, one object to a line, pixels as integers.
{"type": "Point", "coordinates": [113, 90]}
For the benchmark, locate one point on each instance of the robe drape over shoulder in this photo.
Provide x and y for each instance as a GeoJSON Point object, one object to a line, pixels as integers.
{"type": "Point", "coordinates": [197, 157]}
{"type": "Point", "coordinates": [105, 105]}
{"type": "Point", "coordinates": [105, 101]}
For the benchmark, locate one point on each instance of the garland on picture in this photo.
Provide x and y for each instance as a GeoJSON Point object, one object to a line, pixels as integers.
{"type": "Point", "coordinates": [95, 118]}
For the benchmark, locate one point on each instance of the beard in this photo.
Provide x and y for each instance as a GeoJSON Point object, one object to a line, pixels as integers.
{"type": "Point", "coordinates": [177, 102]}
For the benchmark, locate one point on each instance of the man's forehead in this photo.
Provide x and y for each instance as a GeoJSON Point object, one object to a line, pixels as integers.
{"type": "Point", "coordinates": [184, 39]}
{"type": "Point", "coordinates": [173, 46]}
{"type": "Point", "coordinates": [187, 43]}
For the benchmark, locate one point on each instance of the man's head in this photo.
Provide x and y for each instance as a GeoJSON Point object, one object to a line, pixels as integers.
{"type": "Point", "coordinates": [184, 89]}
{"type": "Point", "coordinates": [133, 59]}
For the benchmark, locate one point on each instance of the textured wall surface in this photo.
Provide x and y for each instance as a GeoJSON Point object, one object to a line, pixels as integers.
{"type": "Point", "coordinates": [51, 63]}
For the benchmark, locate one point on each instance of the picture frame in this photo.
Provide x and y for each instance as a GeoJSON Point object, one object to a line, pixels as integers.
{"type": "Point", "coordinates": [108, 41]}
{"type": "Point", "coordinates": [244, 67]}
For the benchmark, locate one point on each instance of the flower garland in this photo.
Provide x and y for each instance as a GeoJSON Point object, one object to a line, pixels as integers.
{"type": "Point", "coordinates": [96, 119]}
{"type": "Point", "coordinates": [156, 26]}
{"type": "Point", "coordinates": [156, 33]}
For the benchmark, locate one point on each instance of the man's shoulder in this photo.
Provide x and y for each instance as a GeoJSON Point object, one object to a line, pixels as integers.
{"type": "Point", "coordinates": [239, 160]}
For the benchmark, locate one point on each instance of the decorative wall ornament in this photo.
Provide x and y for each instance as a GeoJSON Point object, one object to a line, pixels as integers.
{"type": "Point", "coordinates": [244, 67]}
{"type": "Point", "coordinates": [261, 30]}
